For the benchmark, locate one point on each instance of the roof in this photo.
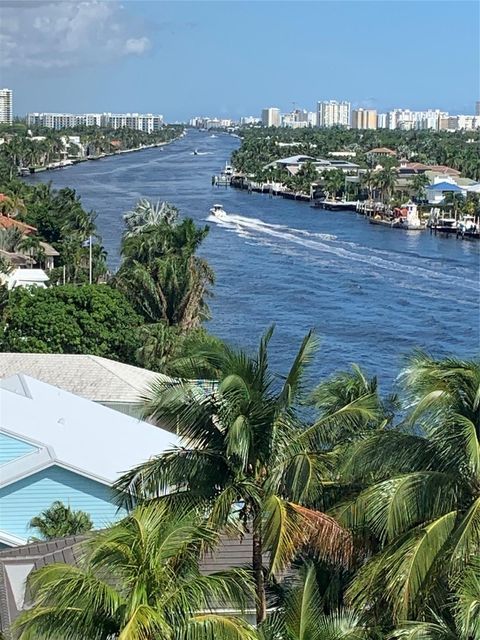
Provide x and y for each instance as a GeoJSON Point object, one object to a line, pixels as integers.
{"type": "Point", "coordinates": [444, 186]}
{"type": "Point", "coordinates": [16, 259]}
{"type": "Point", "coordinates": [91, 377]}
{"type": "Point", "coordinates": [25, 277]}
{"type": "Point", "coordinates": [6, 222]}
{"type": "Point", "coordinates": [385, 150]}
{"type": "Point", "coordinates": [48, 249]}
{"type": "Point", "coordinates": [18, 562]}
{"type": "Point", "coordinates": [72, 432]}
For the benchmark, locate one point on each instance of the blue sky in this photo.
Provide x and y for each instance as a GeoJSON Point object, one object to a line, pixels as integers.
{"type": "Point", "coordinates": [232, 58]}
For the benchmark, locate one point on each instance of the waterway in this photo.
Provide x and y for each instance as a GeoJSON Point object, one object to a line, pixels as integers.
{"type": "Point", "coordinates": [373, 294]}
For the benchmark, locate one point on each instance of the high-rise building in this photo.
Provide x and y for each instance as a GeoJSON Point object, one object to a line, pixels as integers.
{"type": "Point", "coordinates": [331, 113]}
{"type": "Point", "coordinates": [364, 119]}
{"type": "Point", "coordinates": [6, 106]}
{"type": "Point", "coordinates": [382, 121]}
{"type": "Point", "coordinates": [141, 122]}
{"type": "Point", "coordinates": [271, 117]}
{"type": "Point", "coordinates": [477, 108]}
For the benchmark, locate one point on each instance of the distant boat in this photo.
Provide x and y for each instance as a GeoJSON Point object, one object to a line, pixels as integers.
{"type": "Point", "coordinates": [218, 211]}
{"type": "Point", "coordinates": [336, 205]}
{"type": "Point", "coordinates": [195, 152]}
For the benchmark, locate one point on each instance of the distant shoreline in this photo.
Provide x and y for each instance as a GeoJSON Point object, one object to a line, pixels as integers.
{"type": "Point", "coordinates": [103, 155]}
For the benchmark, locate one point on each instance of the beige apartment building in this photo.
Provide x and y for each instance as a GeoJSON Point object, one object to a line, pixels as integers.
{"type": "Point", "coordinates": [364, 119]}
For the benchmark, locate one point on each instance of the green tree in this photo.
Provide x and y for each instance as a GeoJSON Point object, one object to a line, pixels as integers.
{"type": "Point", "coordinates": [301, 615]}
{"type": "Point", "coordinates": [333, 182]}
{"type": "Point", "coordinates": [385, 181]}
{"type": "Point", "coordinates": [247, 455]}
{"type": "Point", "coordinates": [422, 508]}
{"type": "Point", "coordinates": [93, 319]}
{"type": "Point", "coordinates": [60, 520]}
{"type": "Point", "coordinates": [419, 183]}
{"type": "Point", "coordinates": [139, 580]}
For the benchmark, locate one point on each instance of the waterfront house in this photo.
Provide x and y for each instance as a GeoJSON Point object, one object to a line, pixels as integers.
{"type": "Point", "coordinates": [55, 445]}
{"type": "Point", "coordinates": [293, 164]}
{"type": "Point", "coordinates": [113, 384]}
{"type": "Point", "coordinates": [17, 563]}
{"type": "Point", "coordinates": [436, 191]}
{"type": "Point", "coordinates": [380, 152]}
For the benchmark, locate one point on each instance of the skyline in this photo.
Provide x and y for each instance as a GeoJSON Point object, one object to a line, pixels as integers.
{"type": "Point", "coordinates": [196, 58]}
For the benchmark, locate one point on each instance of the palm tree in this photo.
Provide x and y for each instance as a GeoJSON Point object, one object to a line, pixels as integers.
{"type": "Point", "coordinates": [139, 580]}
{"type": "Point", "coordinates": [302, 616]}
{"type": "Point", "coordinates": [385, 181]}
{"type": "Point", "coordinates": [31, 247]}
{"type": "Point", "coordinates": [146, 214]}
{"type": "Point", "coordinates": [422, 509]}
{"type": "Point", "coordinates": [60, 520]}
{"type": "Point", "coordinates": [419, 182]}
{"type": "Point", "coordinates": [246, 455]}
{"type": "Point", "coordinates": [465, 623]}
{"type": "Point", "coordinates": [333, 182]}
{"type": "Point", "coordinates": [10, 239]}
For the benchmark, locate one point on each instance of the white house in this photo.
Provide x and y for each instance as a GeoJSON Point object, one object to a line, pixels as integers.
{"type": "Point", "coordinates": [58, 446]}
{"type": "Point", "coordinates": [25, 278]}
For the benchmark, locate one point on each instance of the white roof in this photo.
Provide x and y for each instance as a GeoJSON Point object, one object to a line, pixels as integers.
{"type": "Point", "coordinates": [92, 377]}
{"type": "Point", "coordinates": [26, 277]}
{"type": "Point", "coordinates": [72, 432]}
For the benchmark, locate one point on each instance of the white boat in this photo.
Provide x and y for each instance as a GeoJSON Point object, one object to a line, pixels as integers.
{"type": "Point", "coordinates": [218, 211]}
{"type": "Point", "coordinates": [408, 217]}
{"type": "Point", "coordinates": [228, 171]}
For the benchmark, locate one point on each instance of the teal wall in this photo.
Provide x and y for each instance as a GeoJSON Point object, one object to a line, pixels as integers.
{"type": "Point", "coordinates": [22, 500]}
{"type": "Point", "coordinates": [12, 448]}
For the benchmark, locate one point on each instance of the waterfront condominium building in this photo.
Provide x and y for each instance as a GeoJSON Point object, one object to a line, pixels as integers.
{"type": "Point", "coordinates": [138, 121]}
{"type": "Point", "coordinates": [364, 119]}
{"type": "Point", "coordinates": [331, 113]}
{"type": "Point", "coordinates": [477, 108]}
{"type": "Point", "coordinates": [6, 106]}
{"type": "Point", "coordinates": [271, 117]}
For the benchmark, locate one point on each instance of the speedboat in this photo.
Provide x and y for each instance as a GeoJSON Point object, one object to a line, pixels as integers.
{"type": "Point", "coordinates": [218, 211]}
{"type": "Point", "coordinates": [195, 152]}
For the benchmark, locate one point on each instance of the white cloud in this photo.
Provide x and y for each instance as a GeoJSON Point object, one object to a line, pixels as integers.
{"type": "Point", "coordinates": [137, 45]}
{"type": "Point", "coordinates": [53, 34]}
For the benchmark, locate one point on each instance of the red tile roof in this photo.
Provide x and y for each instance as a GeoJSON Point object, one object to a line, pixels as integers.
{"type": "Point", "coordinates": [7, 223]}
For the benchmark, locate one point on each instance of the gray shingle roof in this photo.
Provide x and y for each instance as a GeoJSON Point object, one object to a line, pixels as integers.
{"type": "Point", "coordinates": [92, 377]}
{"type": "Point", "coordinates": [231, 552]}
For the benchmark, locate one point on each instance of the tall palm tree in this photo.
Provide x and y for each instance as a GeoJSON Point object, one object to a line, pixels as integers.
{"type": "Point", "coordinates": [60, 520]}
{"type": "Point", "coordinates": [146, 214]}
{"type": "Point", "coordinates": [465, 622]}
{"type": "Point", "coordinates": [423, 505]}
{"type": "Point", "coordinates": [139, 580]}
{"type": "Point", "coordinates": [333, 182]}
{"type": "Point", "coordinates": [419, 182]}
{"type": "Point", "coordinates": [246, 456]}
{"type": "Point", "coordinates": [385, 181]}
{"type": "Point", "coordinates": [301, 616]}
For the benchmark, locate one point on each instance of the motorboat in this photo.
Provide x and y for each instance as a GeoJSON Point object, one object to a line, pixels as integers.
{"type": "Point", "coordinates": [406, 217]}
{"type": "Point", "coordinates": [468, 227]}
{"type": "Point", "coordinates": [195, 152]}
{"type": "Point", "coordinates": [218, 211]}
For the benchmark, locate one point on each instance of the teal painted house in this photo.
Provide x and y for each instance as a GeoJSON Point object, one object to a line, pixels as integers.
{"type": "Point", "coordinates": [55, 445]}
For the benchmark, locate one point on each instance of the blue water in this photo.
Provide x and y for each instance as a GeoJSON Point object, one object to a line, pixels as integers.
{"type": "Point", "coordinates": [372, 293]}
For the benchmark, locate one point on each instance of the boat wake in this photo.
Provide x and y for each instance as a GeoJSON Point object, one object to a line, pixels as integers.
{"type": "Point", "coordinates": [345, 253]}
{"type": "Point", "coordinates": [201, 153]}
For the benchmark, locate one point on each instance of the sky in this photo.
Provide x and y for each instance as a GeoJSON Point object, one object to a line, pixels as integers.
{"type": "Point", "coordinates": [231, 58]}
